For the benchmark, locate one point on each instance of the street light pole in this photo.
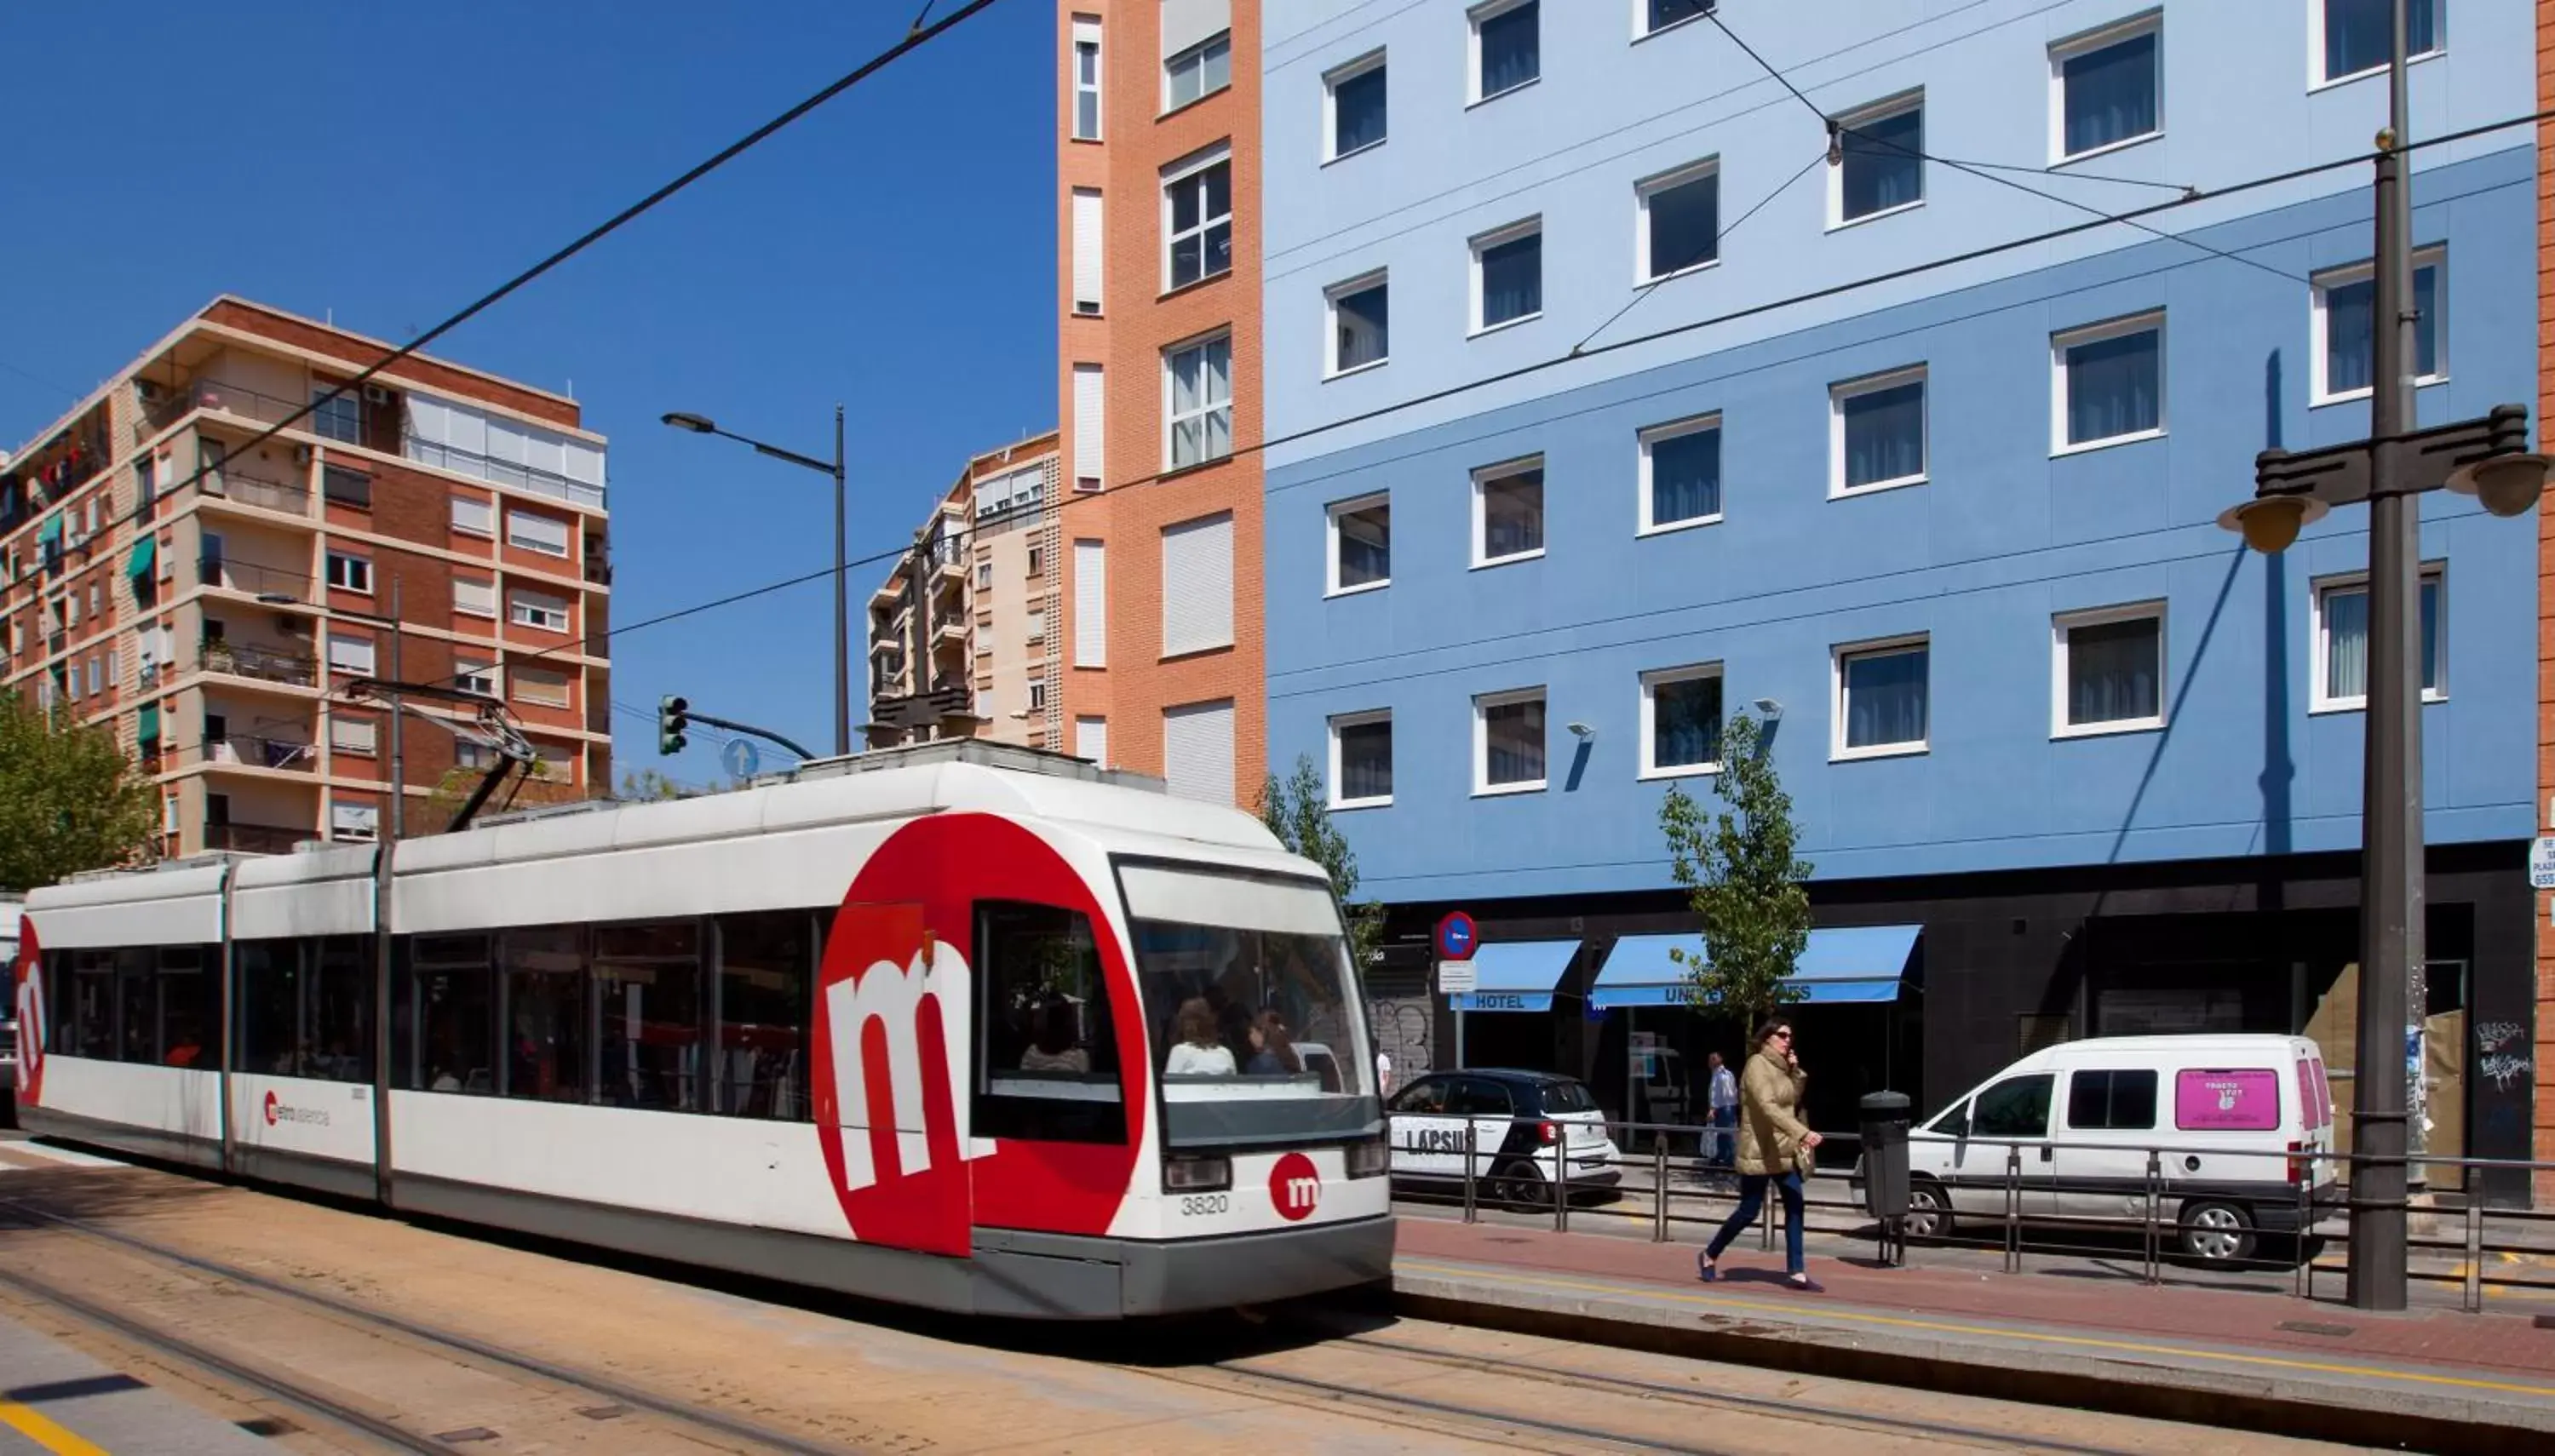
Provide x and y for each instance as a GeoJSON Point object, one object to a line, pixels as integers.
{"type": "Point", "coordinates": [2386, 1107]}
{"type": "Point", "coordinates": [842, 609]}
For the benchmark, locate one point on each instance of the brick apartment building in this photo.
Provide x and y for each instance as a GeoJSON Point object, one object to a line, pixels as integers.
{"type": "Point", "coordinates": [1158, 267]}
{"type": "Point", "coordinates": [980, 619]}
{"type": "Point", "coordinates": [207, 600]}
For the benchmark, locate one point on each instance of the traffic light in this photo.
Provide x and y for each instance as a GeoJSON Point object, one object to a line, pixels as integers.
{"type": "Point", "coordinates": [673, 715]}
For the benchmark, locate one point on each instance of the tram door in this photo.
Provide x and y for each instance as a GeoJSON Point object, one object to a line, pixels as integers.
{"type": "Point", "coordinates": [893, 1028]}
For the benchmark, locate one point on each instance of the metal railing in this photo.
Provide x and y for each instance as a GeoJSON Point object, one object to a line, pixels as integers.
{"type": "Point", "coordinates": [2190, 1203]}
{"type": "Point", "coordinates": [241, 750]}
{"type": "Point", "coordinates": [253, 578]}
{"type": "Point", "coordinates": [239, 660]}
{"type": "Point", "coordinates": [244, 489]}
{"type": "Point", "coordinates": [221, 397]}
{"type": "Point", "coordinates": [255, 838]}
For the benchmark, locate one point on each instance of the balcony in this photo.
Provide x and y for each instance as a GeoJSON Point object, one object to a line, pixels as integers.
{"type": "Point", "coordinates": [166, 408]}
{"type": "Point", "coordinates": [255, 838]}
{"type": "Point", "coordinates": [263, 664]}
{"type": "Point", "coordinates": [239, 487]}
{"type": "Point", "coordinates": [241, 750]}
{"type": "Point", "coordinates": [253, 579]}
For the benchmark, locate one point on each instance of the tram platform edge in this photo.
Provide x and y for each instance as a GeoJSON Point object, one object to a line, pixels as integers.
{"type": "Point", "coordinates": [2428, 1379]}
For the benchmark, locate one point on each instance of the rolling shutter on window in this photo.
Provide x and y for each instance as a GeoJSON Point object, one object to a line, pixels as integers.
{"type": "Point", "coordinates": [1197, 750]}
{"type": "Point", "coordinates": [1090, 604]}
{"type": "Point", "coordinates": [1091, 740]}
{"type": "Point", "coordinates": [1187, 23]}
{"type": "Point", "coordinates": [1088, 451]}
{"type": "Point", "coordinates": [1197, 585]}
{"type": "Point", "coordinates": [1086, 250]}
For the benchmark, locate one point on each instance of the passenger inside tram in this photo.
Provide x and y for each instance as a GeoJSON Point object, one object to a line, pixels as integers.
{"type": "Point", "coordinates": [1199, 1052]}
{"type": "Point", "coordinates": [1053, 1043]}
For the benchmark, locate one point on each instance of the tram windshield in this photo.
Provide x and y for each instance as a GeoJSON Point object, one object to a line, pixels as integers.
{"type": "Point", "coordinates": [1251, 1008]}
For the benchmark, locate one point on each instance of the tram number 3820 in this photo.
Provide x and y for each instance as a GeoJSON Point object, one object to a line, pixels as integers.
{"type": "Point", "coordinates": [1197, 1204]}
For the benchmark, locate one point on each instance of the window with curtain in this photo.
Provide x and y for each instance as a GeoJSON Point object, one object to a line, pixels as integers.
{"type": "Point", "coordinates": [1881, 433]}
{"type": "Point", "coordinates": [1357, 105]}
{"type": "Point", "coordinates": [1512, 740]}
{"type": "Point", "coordinates": [1885, 696]}
{"type": "Point", "coordinates": [2114, 384]}
{"type": "Point", "coordinates": [1361, 320]}
{"type": "Point", "coordinates": [1685, 720]}
{"type": "Point", "coordinates": [1201, 402]}
{"type": "Point", "coordinates": [1881, 163]}
{"type": "Point", "coordinates": [1683, 467]}
{"type": "Point", "coordinates": [1511, 514]}
{"type": "Point", "coordinates": [1680, 222]}
{"type": "Point", "coordinates": [2107, 93]}
{"type": "Point", "coordinates": [2346, 301]}
{"type": "Point", "coordinates": [1364, 764]}
{"type": "Point", "coordinates": [2344, 610]}
{"type": "Point", "coordinates": [1511, 277]}
{"type": "Point", "coordinates": [2114, 672]}
{"type": "Point", "coordinates": [1362, 544]}
{"type": "Point", "coordinates": [1509, 42]}
{"type": "Point", "coordinates": [2360, 35]}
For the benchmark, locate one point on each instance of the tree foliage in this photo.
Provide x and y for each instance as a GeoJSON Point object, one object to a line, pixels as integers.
{"type": "Point", "coordinates": [70, 800]}
{"type": "Point", "coordinates": [1297, 810]}
{"type": "Point", "coordinates": [648, 785]}
{"type": "Point", "coordinates": [1740, 878]}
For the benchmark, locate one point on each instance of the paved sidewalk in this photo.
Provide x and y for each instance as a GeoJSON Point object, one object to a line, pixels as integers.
{"type": "Point", "coordinates": [54, 1399]}
{"type": "Point", "coordinates": [2239, 1356]}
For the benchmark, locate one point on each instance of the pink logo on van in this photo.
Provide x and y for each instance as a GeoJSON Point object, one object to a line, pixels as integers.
{"type": "Point", "coordinates": [2227, 1100]}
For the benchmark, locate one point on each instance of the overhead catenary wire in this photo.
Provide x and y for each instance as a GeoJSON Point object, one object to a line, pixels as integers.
{"type": "Point", "coordinates": [1009, 516]}
{"type": "Point", "coordinates": [1719, 236]}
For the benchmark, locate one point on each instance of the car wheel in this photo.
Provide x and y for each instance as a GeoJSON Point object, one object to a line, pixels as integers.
{"type": "Point", "coordinates": [2216, 1233]}
{"type": "Point", "coordinates": [1929, 1211]}
{"type": "Point", "coordinates": [1515, 1185]}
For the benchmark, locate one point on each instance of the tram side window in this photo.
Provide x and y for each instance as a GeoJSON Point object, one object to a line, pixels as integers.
{"type": "Point", "coordinates": [304, 1007]}
{"type": "Point", "coordinates": [137, 1004]}
{"type": "Point", "coordinates": [151, 1005]}
{"type": "Point", "coordinates": [546, 1027]}
{"type": "Point", "coordinates": [767, 980]}
{"type": "Point", "coordinates": [648, 993]}
{"type": "Point", "coordinates": [1049, 1070]}
{"type": "Point", "coordinates": [267, 993]}
{"type": "Point", "coordinates": [191, 1006]}
{"type": "Point", "coordinates": [450, 1014]}
{"type": "Point", "coordinates": [88, 1028]}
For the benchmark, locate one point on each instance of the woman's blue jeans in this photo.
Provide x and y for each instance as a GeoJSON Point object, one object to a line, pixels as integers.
{"type": "Point", "coordinates": [1751, 1201]}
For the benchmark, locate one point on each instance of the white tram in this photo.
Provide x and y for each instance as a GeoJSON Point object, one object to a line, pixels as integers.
{"type": "Point", "coordinates": [966, 1027]}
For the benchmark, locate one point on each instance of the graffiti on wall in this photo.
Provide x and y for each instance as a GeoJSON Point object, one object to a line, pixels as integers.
{"type": "Point", "coordinates": [1402, 1025]}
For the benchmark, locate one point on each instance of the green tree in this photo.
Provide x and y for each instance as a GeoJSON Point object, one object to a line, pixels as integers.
{"type": "Point", "coordinates": [70, 800]}
{"type": "Point", "coordinates": [647, 785]}
{"type": "Point", "coordinates": [1297, 810]}
{"type": "Point", "coordinates": [1740, 878]}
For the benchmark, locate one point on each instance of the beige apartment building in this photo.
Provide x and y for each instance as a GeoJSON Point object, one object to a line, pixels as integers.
{"type": "Point", "coordinates": [209, 598]}
{"type": "Point", "coordinates": [975, 605]}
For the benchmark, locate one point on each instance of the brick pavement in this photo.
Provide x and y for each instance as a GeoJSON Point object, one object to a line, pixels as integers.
{"type": "Point", "coordinates": [2068, 1307]}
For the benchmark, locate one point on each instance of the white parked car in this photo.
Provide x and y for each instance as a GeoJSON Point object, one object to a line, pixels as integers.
{"type": "Point", "coordinates": [2247, 1122]}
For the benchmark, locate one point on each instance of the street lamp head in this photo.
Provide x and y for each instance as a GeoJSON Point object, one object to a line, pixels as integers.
{"type": "Point", "coordinates": [2270, 524]}
{"type": "Point", "coordinates": [696, 424]}
{"type": "Point", "coordinates": [1769, 708]}
{"type": "Point", "coordinates": [1581, 730]}
{"type": "Point", "coordinates": [2506, 485]}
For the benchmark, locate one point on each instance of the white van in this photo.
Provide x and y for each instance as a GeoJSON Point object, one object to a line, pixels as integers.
{"type": "Point", "coordinates": [2246, 1121]}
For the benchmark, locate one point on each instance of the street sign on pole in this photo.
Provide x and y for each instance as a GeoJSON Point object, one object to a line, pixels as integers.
{"type": "Point", "coordinates": [1457, 937]}
{"type": "Point", "coordinates": [1456, 977]}
{"type": "Point", "coordinates": [2541, 863]}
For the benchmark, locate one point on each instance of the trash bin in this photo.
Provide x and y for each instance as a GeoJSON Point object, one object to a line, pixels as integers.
{"type": "Point", "coordinates": [1886, 1118]}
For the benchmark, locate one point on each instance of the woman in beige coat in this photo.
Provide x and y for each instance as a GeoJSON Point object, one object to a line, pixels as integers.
{"type": "Point", "coordinates": [1773, 1147]}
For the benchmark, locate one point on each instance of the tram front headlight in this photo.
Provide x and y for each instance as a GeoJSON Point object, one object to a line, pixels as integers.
{"type": "Point", "coordinates": [1198, 1174]}
{"type": "Point", "coordinates": [1370, 1159]}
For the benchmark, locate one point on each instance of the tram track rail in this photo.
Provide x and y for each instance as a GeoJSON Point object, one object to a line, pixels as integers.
{"type": "Point", "coordinates": [701, 1418]}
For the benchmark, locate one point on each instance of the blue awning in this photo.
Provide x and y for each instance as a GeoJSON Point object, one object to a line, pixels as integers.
{"type": "Point", "coordinates": [1516, 975]}
{"type": "Point", "coordinates": [1847, 965]}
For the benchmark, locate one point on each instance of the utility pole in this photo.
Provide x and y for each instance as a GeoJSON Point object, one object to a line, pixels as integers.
{"type": "Point", "coordinates": [388, 835]}
{"type": "Point", "coordinates": [842, 609]}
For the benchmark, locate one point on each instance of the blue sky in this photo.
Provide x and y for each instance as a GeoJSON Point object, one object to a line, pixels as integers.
{"type": "Point", "coordinates": [387, 163]}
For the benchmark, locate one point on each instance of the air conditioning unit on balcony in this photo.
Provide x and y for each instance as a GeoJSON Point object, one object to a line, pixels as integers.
{"type": "Point", "coordinates": [302, 455]}
{"type": "Point", "coordinates": [374, 393]}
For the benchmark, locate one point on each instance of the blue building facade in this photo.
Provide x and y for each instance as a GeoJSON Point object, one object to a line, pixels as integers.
{"type": "Point", "coordinates": [1612, 395]}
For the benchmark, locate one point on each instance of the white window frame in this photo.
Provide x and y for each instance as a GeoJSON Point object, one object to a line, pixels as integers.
{"type": "Point", "coordinates": [1481, 242]}
{"type": "Point", "coordinates": [1650, 435]}
{"type": "Point", "coordinates": [1650, 187]}
{"type": "Point", "coordinates": [1349, 71]}
{"type": "Point", "coordinates": [1379, 278]}
{"type": "Point", "coordinates": [2059, 381]}
{"type": "Point", "coordinates": [473, 676]}
{"type": "Point", "coordinates": [1038, 694]}
{"type": "Point", "coordinates": [2434, 256]}
{"type": "Point", "coordinates": [2318, 701]}
{"type": "Point", "coordinates": [985, 575]}
{"type": "Point", "coordinates": [1171, 422]}
{"type": "Point", "coordinates": [1474, 95]}
{"type": "Point", "coordinates": [1844, 390]}
{"type": "Point", "coordinates": [369, 648]}
{"type": "Point", "coordinates": [1183, 172]}
{"type": "Point", "coordinates": [467, 610]}
{"type": "Point", "coordinates": [1881, 110]}
{"type": "Point", "coordinates": [531, 609]}
{"type": "Point", "coordinates": [2063, 622]}
{"type": "Point", "coordinates": [360, 569]}
{"type": "Point", "coordinates": [1837, 656]}
{"type": "Point", "coordinates": [1485, 475]}
{"type": "Point", "coordinates": [1331, 514]}
{"type": "Point", "coordinates": [1651, 682]}
{"type": "Point", "coordinates": [567, 538]}
{"type": "Point", "coordinates": [2317, 80]}
{"type": "Point", "coordinates": [354, 823]}
{"type": "Point", "coordinates": [485, 509]}
{"type": "Point", "coordinates": [1092, 307]}
{"type": "Point", "coordinates": [2086, 44]}
{"type": "Point", "coordinates": [1482, 705]}
{"type": "Point", "coordinates": [1642, 30]}
{"type": "Point", "coordinates": [1036, 625]}
{"type": "Point", "coordinates": [1196, 55]}
{"type": "Point", "coordinates": [1086, 32]}
{"type": "Point", "coordinates": [1337, 722]}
